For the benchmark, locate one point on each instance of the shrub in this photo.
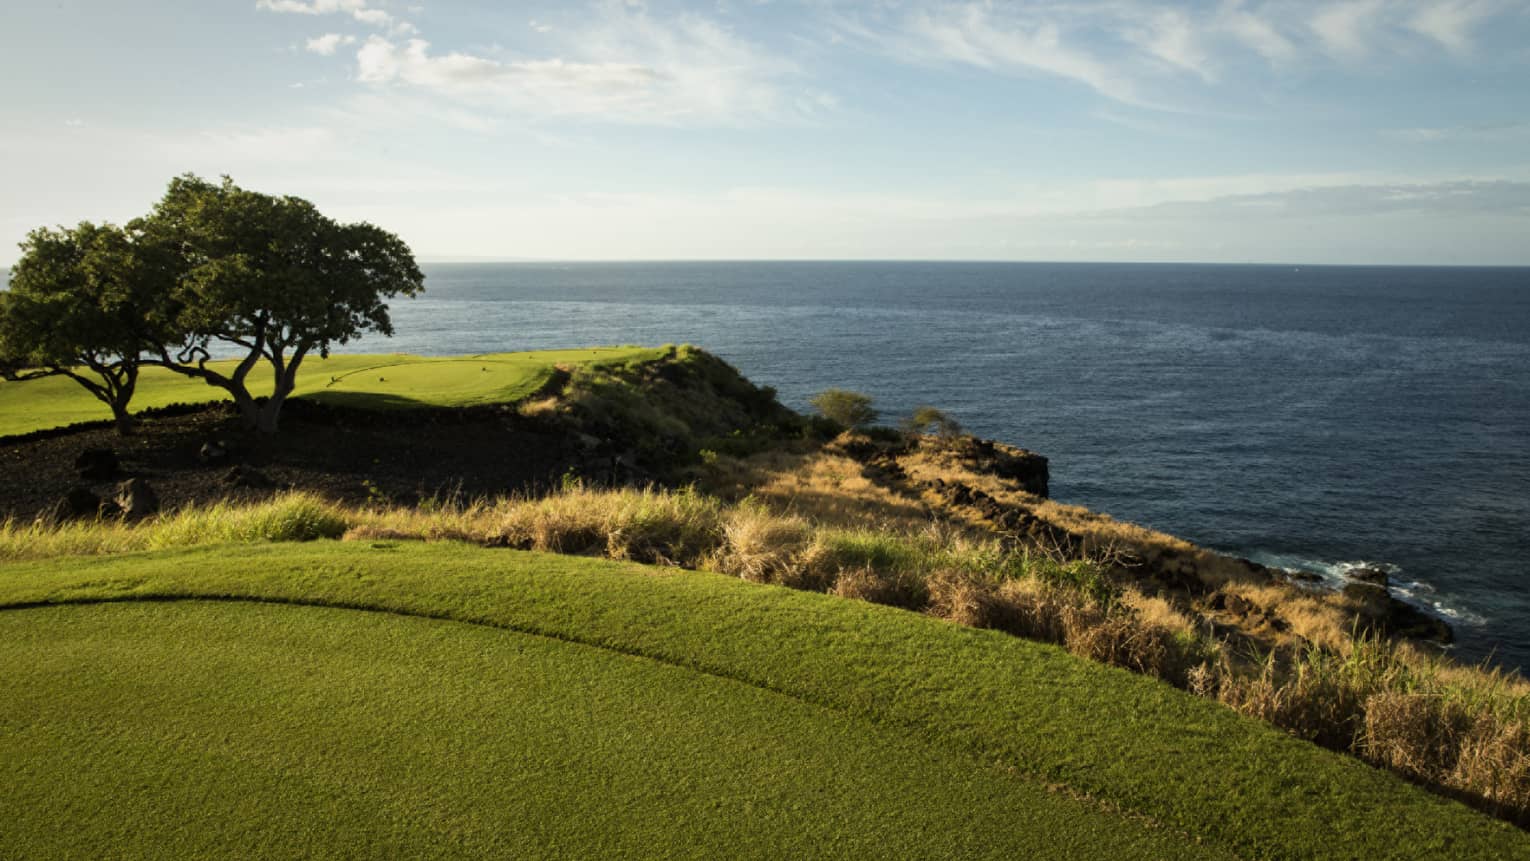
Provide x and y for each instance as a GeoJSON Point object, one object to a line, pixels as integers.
{"type": "Point", "coordinates": [761, 546]}
{"type": "Point", "coordinates": [844, 407]}
{"type": "Point", "coordinates": [929, 420]}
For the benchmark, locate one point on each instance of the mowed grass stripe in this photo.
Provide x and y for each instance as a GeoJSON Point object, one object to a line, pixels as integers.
{"type": "Point", "coordinates": [218, 729]}
{"type": "Point", "coordinates": [392, 381]}
{"type": "Point", "coordinates": [1125, 740]}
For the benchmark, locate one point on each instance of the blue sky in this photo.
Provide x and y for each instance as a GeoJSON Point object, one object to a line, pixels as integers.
{"type": "Point", "coordinates": [1364, 131]}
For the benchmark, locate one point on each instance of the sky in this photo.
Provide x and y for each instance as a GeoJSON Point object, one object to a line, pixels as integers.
{"type": "Point", "coordinates": [1361, 131]}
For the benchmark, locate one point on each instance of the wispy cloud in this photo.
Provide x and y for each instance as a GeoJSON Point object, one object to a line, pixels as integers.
{"type": "Point", "coordinates": [1488, 133]}
{"type": "Point", "coordinates": [1346, 28]}
{"type": "Point", "coordinates": [998, 39]}
{"type": "Point", "coordinates": [1453, 24]}
{"type": "Point", "coordinates": [1144, 54]}
{"type": "Point", "coordinates": [625, 65]}
{"type": "Point", "coordinates": [1172, 36]}
{"type": "Point", "coordinates": [327, 44]}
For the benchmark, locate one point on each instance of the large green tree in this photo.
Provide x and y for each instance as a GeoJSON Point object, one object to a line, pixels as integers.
{"type": "Point", "coordinates": [83, 304]}
{"type": "Point", "coordinates": [271, 280]}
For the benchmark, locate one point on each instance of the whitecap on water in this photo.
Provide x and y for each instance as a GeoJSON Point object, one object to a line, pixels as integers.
{"type": "Point", "coordinates": [1419, 593]}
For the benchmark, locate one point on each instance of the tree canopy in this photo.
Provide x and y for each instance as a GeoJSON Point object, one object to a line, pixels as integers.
{"type": "Point", "coordinates": [272, 277]}
{"type": "Point", "coordinates": [83, 303]}
{"type": "Point", "coordinates": [213, 270]}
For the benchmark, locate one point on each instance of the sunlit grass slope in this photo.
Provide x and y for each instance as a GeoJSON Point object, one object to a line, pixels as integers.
{"type": "Point", "coordinates": [375, 381]}
{"type": "Point", "coordinates": [657, 711]}
{"type": "Point", "coordinates": [217, 729]}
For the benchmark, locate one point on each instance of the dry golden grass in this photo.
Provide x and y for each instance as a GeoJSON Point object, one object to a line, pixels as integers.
{"type": "Point", "coordinates": [829, 488]}
{"type": "Point", "coordinates": [293, 516]}
{"type": "Point", "coordinates": [1310, 617]}
{"type": "Point", "coordinates": [893, 589]}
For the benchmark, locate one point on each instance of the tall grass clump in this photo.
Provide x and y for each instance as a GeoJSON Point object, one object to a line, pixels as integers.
{"type": "Point", "coordinates": [652, 526]}
{"type": "Point", "coordinates": [292, 516]}
{"type": "Point", "coordinates": [1464, 733]}
{"type": "Point", "coordinates": [20, 540]}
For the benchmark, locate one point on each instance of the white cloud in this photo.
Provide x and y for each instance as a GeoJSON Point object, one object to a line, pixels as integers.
{"type": "Point", "coordinates": [974, 35]}
{"type": "Point", "coordinates": [1255, 32]}
{"type": "Point", "coordinates": [539, 26]}
{"type": "Point", "coordinates": [1347, 28]}
{"type": "Point", "coordinates": [327, 44]}
{"type": "Point", "coordinates": [1172, 37]}
{"type": "Point", "coordinates": [625, 66]}
{"type": "Point", "coordinates": [561, 86]}
{"type": "Point", "coordinates": [360, 10]}
{"type": "Point", "coordinates": [1141, 54]}
{"type": "Point", "coordinates": [1451, 24]}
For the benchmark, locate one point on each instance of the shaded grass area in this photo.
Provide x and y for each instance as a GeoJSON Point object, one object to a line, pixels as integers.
{"type": "Point", "coordinates": [393, 381]}
{"type": "Point", "coordinates": [1127, 741]}
{"type": "Point", "coordinates": [221, 729]}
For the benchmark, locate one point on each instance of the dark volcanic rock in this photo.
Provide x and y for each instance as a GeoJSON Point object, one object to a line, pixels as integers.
{"type": "Point", "coordinates": [78, 503]}
{"type": "Point", "coordinates": [213, 452]}
{"type": "Point", "coordinates": [1026, 468]}
{"type": "Point", "coordinates": [136, 498]}
{"type": "Point", "coordinates": [1368, 575]}
{"type": "Point", "coordinates": [1302, 577]}
{"type": "Point", "coordinates": [244, 476]}
{"type": "Point", "coordinates": [97, 464]}
{"type": "Point", "coordinates": [1378, 610]}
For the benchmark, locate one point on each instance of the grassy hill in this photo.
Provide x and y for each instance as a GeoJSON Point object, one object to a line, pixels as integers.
{"type": "Point", "coordinates": [385, 697]}
{"type": "Point", "coordinates": [373, 381]}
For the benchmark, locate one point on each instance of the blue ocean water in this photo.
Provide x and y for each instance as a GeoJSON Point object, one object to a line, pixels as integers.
{"type": "Point", "coordinates": [1303, 416]}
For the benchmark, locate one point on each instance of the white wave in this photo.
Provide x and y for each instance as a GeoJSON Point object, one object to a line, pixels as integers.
{"type": "Point", "coordinates": [1335, 575]}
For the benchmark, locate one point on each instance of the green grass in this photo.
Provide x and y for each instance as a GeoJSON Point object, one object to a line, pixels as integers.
{"type": "Point", "coordinates": [373, 381]}
{"type": "Point", "coordinates": [850, 729]}
{"type": "Point", "coordinates": [305, 731]}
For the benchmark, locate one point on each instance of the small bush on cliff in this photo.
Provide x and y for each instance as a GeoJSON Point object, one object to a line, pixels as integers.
{"type": "Point", "coordinates": [929, 420]}
{"type": "Point", "coordinates": [844, 407]}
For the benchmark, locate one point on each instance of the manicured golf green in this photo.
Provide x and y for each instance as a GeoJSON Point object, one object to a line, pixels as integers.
{"type": "Point", "coordinates": [373, 381]}
{"type": "Point", "coordinates": [677, 714]}
{"type": "Point", "coordinates": [302, 731]}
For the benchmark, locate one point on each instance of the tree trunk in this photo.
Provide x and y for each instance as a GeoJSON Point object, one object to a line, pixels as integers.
{"type": "Point", "coordinates": [249, 411]}
{"type": "Point", "coordinates": [286, 382]}
{"type": "Point", "coordinates": [271, 410]}
{"type": "Point", "coordinates": [270, 413]}
{"type": "Point", "coordinates": [123, 419]}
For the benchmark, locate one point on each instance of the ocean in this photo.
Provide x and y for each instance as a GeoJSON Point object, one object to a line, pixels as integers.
{"type": "Point", "coordinates": [1304, 416]}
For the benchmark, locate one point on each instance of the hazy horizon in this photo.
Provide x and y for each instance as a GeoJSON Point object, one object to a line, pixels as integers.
{"type": "Point", "coordinates": [1224, 131]}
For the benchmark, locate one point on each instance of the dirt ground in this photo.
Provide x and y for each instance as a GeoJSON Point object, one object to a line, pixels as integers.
{"type": "Point", "coordinates": [351, 456]}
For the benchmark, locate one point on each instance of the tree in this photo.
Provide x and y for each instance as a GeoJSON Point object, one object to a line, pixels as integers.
{"type": "Point", "coordinates": [273, 278]}
{"type": "Point", "coordinates": [927, 419]}
{"type": "Point", "coordinates": [844, 407]}
{"type": "Point", "coordinates": [81, 305]}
